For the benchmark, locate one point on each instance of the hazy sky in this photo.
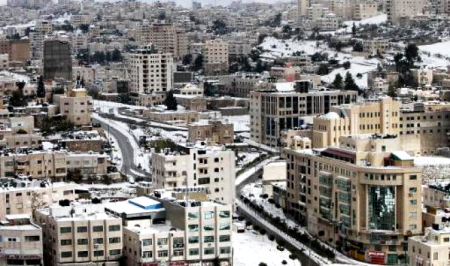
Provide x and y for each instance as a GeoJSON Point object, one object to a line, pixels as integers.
{"type": "Point", "coordinates": [188, 2]}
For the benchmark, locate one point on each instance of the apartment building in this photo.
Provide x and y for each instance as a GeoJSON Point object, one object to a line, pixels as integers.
{"type": "Point", "coordinates": [4, 61]}
{"type": "Point", "coordinates": [177, 118]}
{"type": "Point", "coordinates": [375, 46]}
{"type": "Point", "coordinates": [365, 10]}
{"type": "Point", "coordinates": [281, 108]}
{"type": "Point", "coordinates": [80, 234]}
{"type": "Point", "coordinates": [184, 231]}
{"type": "Point", "coordinates": [20, 241]}
{"type": "Point", "coordinates": [76, 106]}
{"type": "Point", "coordinates": [20, 141]}
{"type": "Point", "coordinates": [403, 10]}
{"type": "Point", "coordinates": [363, 196]}
{"type": "Point", "coordinates": [43, 28]}
{"type": "Point", "coordinates": [23, 196]}
{"type": "Point", "coordinates": [216, 56]}
{"type": "Point", "coordinates": [430, 249]}
{"type": "Point", "coordinates": [80, 19]}
{"type": "Point", "coordinates": [149, 72]}
{"type": "Point", "coordinates": [166, 38]}
{"type": "Point", "coordinates": [241, 84]}
{"type": "Point", "coordinates": [209, 167]}
{"type": "Point", "coordinates": [212, 132]}
{"type": "Point", "coordinates": [57, 60]}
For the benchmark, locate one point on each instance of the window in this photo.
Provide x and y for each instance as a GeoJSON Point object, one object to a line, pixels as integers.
{"type": "Point", "coordinates": [98, 228]}
{"type": "Point", "coordinates": [32, 238]}
{"type": "Point", "coordinates": [192, 215]}
{"type": "Point", "coordinates": [82, 229]}
{"type": "Point", "coordinates": [98, 241]}
{"type": "Point", "coordinates": [225, 226]}
{"type": "Point", "coordinates": [193, 227]}
{"type": "Point", "coordinates": [435, 256]}
{"type": "Point", "coordinates": [193, 251]}
{"type": "Point", "coordinates": [162, 241]}
{"type": "Point", "coordinates": [163, 253]}
{"type": "Point", "coordinates": [224, 214]}
{"type": "Point", "coordinates": [113, 240]}
{"type": "Point", "coordinates": [65, 230]}
{"type": "Point", "coordinates": [446, 239]}
{"type": "Point", "coordinates": [99, 253]}
{"type": "Point", "coordinates": [412, 214]}
{"type": "Point", "coordinates": [209, 251]}
{"type": "Point", "coordinates": [178, 242]}
{"type": "Point", "coordinates": [208, 227]}
{"type": "Point", "coordinates": [147, 242]}
{"type": "Point", "coordinates": [66, 254]}
{"type": "Point", "coordinates": [147, 254]}
{"type": "Point", "coordinates": [224, 238]}
{"type": "Point", "coordinates": [208, 239]}
{"type": "Point", "coordinates": [393, 248]}
{"type": "Point", "coordinates": [115, 252]}
{"type": "Point", "coordinates": [193, 239]}
{"type": "Point", "coordinates": [113, 228]}
{"type": "Point", "coordinates": [83, 254]}
{"type": "Point", "coordinates": [413, 177]}
{"type": "Point", "coordinates": [66, 242]}
{"type": "Point", "coordinates": [225, 250]}
{"type": "Point", "coordinates": [82, 241]}
{"type": "Point", "coordinates": [209, 215]}
{"type": "Point", "coordinates": [178, 252]}
{"type": "Point", "coordinates": [203, 181]}
{"type": "Point", "coordinates": [413, 202]}
{"type": "Point", "coordinates": [412, 190]}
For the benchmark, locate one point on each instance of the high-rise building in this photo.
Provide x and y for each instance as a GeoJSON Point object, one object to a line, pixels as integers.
{"type": "Point", "coordinates": [302, 8]}
{"type": "Point", "coordinates": [363, 196]}
{"type": "Point", "coordinates": [149, 72]}
{"type": "Point", "coordinates": [281, 108]}
{"type": "Point", "coordinates": [57, 60]}
{"type": "Point", "coordinates": [399, 10]}
{"type": "Point", "coordinates": [166, 38]}
{"type": "Point", "coordinates": [216, 56]}
{"type": "Point", "coordinates": [211, 167]}
{"type": "Point", "coordinates": [80, 234]}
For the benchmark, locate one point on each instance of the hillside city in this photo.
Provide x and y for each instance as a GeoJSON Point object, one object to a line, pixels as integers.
{"type": "Point", "coordinates": [154, 133]}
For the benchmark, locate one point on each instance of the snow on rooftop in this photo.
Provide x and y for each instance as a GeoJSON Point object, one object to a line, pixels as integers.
{"type": "Point", "coordinates": [440, 48]}
{"type": "Point", "coordinates": [431, 161]}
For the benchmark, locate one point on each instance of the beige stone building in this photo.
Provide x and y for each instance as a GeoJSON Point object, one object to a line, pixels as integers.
{"type": "Point", "coordinates": [166, 38]}
{"type": "Point", "coordinates": [16, 141]}
{"type": "Point", "coordinates": [209, 167]}
{"type": "Point", "coordinates": [213, 132]}
{"type": "Point", "coordinates": [76, 106]}
{"type": "Point", "coordinates": [80, 234]}
{"type": "Point", "coordinates": [399, 10]}
{"type": "Point", "coordinates": [365, 10]}
{"type": "Point", "coordinates": [363, 197]}
{"type": "Point", "coordinates": [431, 249]}
{"type": "Point", "coordinates": [375, 46]}
{"type": "Point", "coordinates": [149, 72]}
{"type": "Point", "coordinates": [4, 61]}
{"type": "Point", "coordinates": [177, 118]}
{"type": "Point", "coordinates": [273, 172]}
{"type": "Point", "coordinates": [32, 195]}
{"type": "Point", "coordinates": [216, 55]}
{"type": "Point", "coordinates": [272, 111]}
{"type": "Point", "coordinates": [21, 241]}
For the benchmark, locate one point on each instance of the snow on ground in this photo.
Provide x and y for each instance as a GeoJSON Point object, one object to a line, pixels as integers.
{"type": "Point", "coordinates": [249, 157]}
{"type": "Point", "coordinates": [282, 48]}
{"type": "Point", "coordinates": [440, 48]}
{"type": "Point", "coordinates": [17, 77]}
{"type": "Point", "coordinates": [251, 248]}
{"type": "Point", "coordinates": [242, 177]}
{"type": "Point", "coordinates": [241, 122]}
{"type": "Point", "coordinates": [104, 106]}
{"type": "Point", "coordinates": [139, 157]}
{"type": "Point", "coordinates": [116, 152]}
{"type": "Point", "coordinates": [431, 160]}
{"type": "Point", "coordinates": [382, 18]}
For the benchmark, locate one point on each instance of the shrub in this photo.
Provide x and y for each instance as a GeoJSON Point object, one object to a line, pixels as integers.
{"type": "Point", "coordinates": [292, 257]}
{"type": "Point", "coordinates": [264, 196]}
{"type": "Point", "coordinates": [262, 231]}
{"type": "Point", "coordinates": [256, 227]}
{"type": "Point", "coordinates": [271, 201]}
{"type": "Point", "coordinates": [271, 238]}
{"type": "Point", "coordinates": [280, 248]}
{"type": "Point", "coordinates": [284, 262]}
{"type": "Point", "coordinates": [277, 206]}
{"type": "Point", "coordinates": [248, 223]}
{"type": "Point", "coordinates": [262, 264]}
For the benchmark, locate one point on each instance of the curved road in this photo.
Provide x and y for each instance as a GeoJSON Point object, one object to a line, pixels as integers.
{"type": "Point", "coordinates": [127, 152]}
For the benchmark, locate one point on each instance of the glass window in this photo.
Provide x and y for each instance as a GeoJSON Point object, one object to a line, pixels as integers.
{"type": "Point", "coordinates": [66, 242]}
{"type": "Point", "coordinates": [209, 215]}
{"type": "Point", "coordinates": [192, 215]}
{"type": "Point", "coordinates": [412, 190]}
{"type": "Point", "coordinates": [193, 239]}
{"type": "Point", "coordinates": [147, 242]}
{"type": "Point", "coordinates": [178, 252]}
{"type": "Point", "coordinates": [193, 251]}
{"type": "Point", "coordinates": [208, 239]}
{"type": "Point", "coordinates": [82, 241]}
{"type": "Point", "coordinates": [32, 238]}
{"type": "Point", "coordinates": [209, 251]}
{"type": "Point", "coordinates": [113, 228]}
{"type": "Point", "coordinates": [65, 230]}
{"type": "Point", "coordinates": [98, 228]}
{"type": "Point", "coordinates": [382, 207]}
{"type": "Point", "coordinates": [99, 253]}
{"type": "Point", "coordinates": [147, 254]}
{"type": "Point", "coordinates": [224, 238]}
{"type": "Point", "coordinates": [83, 254]}
{"type": "Point", "coordinates": [178, 242]}
{"type": "Point", "coordinates": [224, 214]}
{"type": "Point", "coordinates": [81, 229]}
{"type": "Point", "coordinates": [162, 241]}
{"type": "Point", "coordinates": [163, 253]}
{"type": "Point", "coordinates": [224, 226]}
{"type": "Point", "coordinates": [115, 252]}
{"type": "Point", "coordinates": [193, 227]}
{"type": "Point", "coordinates": [225, 250]}
{"type": "Point", "coordinates": [208, 227]}
{"type": "Point", "coordinates": [98, 241]}
{"type": "Point", "coordinates": [66, 254]}
{"type": "Point", "coordinates": [113, 240]}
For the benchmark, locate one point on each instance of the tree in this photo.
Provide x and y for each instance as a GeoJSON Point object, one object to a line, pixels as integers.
{"type": "Point", "coordinates": [116, 56]}
{"type": "Point", "coordinates": [209, 89]}
{"type": "Point", "coordinates": [412, 54]}
{"type": "Point", "coordinates": [187, 59]}
{"type": "Point", "coordinates": [37, 202]}
{"type": "Point", "coordinates": [84, 28]}
{"type": "Point", "coordinates": [40, 91]}
{"type": "Point", "coordinates": [74, 175]}
{"type": "Point", "coordinates": [171, 102]}
{"type": "Point", "coordinates": [198, 63]}
{"type": "Point", "coordinates": [392, 92]}
{"type": "Point", "coordinates": [17, 99]}
{"type": "Point", "coordinates": [349, 83]}
{"type": "Point", "coordinates": [358, 47]}
{"type": "Point", "coordinates": [323, 70]}
{"type": "Point", "coordinates": [219, 27]}
{"type": "Point", "coordinates": [353, 28]}
{"type": "Point", "coordinates": [346, 65]}
{"type": "Point", "coordinates": [338, 82]}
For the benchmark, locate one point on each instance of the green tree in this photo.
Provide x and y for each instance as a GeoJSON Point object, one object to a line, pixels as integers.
{"type": "Point", "coordinates": [171, 102]}
{"type": "Point", "coordinates": [353, 28]}
{"type": "Point", "coordinates": [323, 70]}
{"type": "Point", "coordinates": [338, 82]}
{"type": "Point", "coordinates": [74, 175]}
{"type": "Point", "coordinates": [198, 63]}
{"type": "Point", "coordinates": [349, 83]}
{"type": "Point", "coordinates": [84, 28]}
{"type": "Point", "coordinates": [17, 99]}
{"type": "Point", "coordinates": [209, 89]}
{"type": "Point", "coordinates": [392, 92]}
{"type": "Point", "coordinates": [412, 54]}
{"type": "Point", "coordinates": [358, 47]}
{"type": "Point", "coordinates": [187, 59]}
{"type": "Point", "coordinates": [40, 91]}
{"type": "Point", "coordinates": [347, 65]}
{"type": "Point", "coordinates": [116, 56]}
{"type": "Point", "coordinates": [219, 27]}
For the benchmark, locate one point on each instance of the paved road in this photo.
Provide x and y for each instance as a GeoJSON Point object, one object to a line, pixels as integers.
{"type": "Point", "coordinates": [127, 152]}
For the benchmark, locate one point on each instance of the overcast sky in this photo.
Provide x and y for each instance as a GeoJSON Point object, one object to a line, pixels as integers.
{"type": "Point", "coordinates": [188, 2]}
